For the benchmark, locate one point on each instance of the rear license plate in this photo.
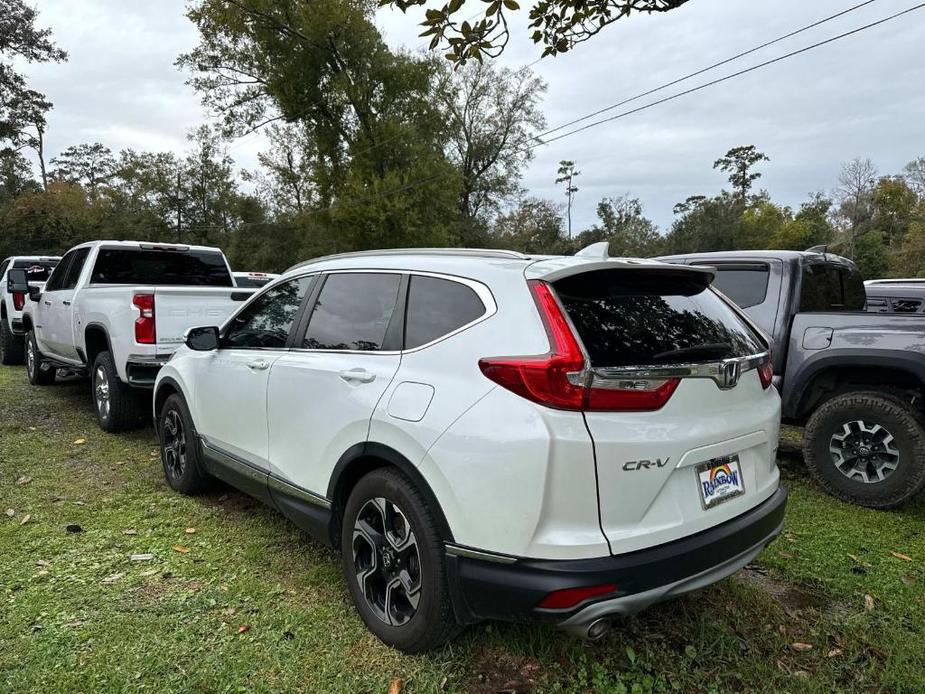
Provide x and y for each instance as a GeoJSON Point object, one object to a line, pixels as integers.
{"type": "Point", "coordinates": [720, 480]}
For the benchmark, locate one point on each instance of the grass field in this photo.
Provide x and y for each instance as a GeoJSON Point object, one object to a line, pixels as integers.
{"type": "Point", "coordinates": [235, 598]}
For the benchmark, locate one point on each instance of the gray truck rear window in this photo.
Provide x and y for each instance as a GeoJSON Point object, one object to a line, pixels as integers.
{"type": "Point", "coordinates": [633, 318]}
{"type": "Point", "coordinates": [164, 268]}
{"type": "Point", "coordinates": [829, 287]}
{"type": "Point", "coordinates": [747, 285]}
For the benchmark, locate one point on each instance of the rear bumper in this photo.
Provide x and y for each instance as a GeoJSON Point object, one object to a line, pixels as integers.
{"type": "Point", "coordinates": [141, 369]}
{"type": "Point", "coordinates": [485, 586]}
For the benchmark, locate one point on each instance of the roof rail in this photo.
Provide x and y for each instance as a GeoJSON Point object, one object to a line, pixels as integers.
{"type": "Point", "coordinates": [469, 252]}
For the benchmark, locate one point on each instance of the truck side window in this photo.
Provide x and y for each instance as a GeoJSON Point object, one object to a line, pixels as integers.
{"type": "Point", "coordinates": [745, 284]}
{"type": "Point", "coordinates": [59, 275]}
{"type": "Point", "coordinates": [73, 270]}
{"type": "Point", "coordinates": [829, 287]}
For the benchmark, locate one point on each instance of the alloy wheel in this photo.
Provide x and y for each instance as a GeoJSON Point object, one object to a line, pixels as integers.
{"type": "Point", "coordinates": [174, 445]}
{"type": "Point", "coordinates": [864, 451]}
{"type": "Point", "coordinates": [387, 561]}
{"type": "Point", "coordinates": [30, 359]}
{"type": "Point", "coordinates": [101, 392]}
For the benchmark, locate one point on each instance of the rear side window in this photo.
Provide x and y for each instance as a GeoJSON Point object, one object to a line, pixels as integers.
{"type": "Point", "coordinates": [437, 307]}
{"type": "Point", "coordinates": [831, 288]}
{"type": "Point", "coordinates": [353, 311]}
{"type": "Point", "coordinates": [746, 285]}
{"type": "Point", "coordinates": [164, 268]}
{"type": "Point", "coordinates": [634, 318]}
{"type": "Point", "coordinates": [36, 270]}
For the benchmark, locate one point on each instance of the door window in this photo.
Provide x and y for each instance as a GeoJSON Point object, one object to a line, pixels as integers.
{"type": "Point", "coordinates": [265, 323]}
{"type": "Point", "coordinates": [437, 307]}
{"type": "Point", "coordinates": [353, 312]}
{"type": "Point", "coordinates": [56, 281]}
{"type": "Point", "coordinates": [746, 285]}
{"type": "Point", "coordinates": [74, 268]}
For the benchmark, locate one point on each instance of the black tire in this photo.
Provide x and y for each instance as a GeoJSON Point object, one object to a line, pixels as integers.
{"type": "Point", "coordinates": [38, 372]}
{"type": "Point", "coordinates": [12, 346]}
{"type": "Point", "coordinates": [901, 429]}
{"type": "Point", "coordinates": [181, 462]}
{"type": "Point", "coordinates": [431, 621]}
{"type": "Point", "coordinates": [118, 406]}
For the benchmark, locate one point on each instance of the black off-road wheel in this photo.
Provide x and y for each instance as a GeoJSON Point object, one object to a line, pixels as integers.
{"type": "Point", "coordinates": [179, 450]}
{"type": "Point", "coordinates": [867, 448]}
{"type": "Point", "coordinates": [393, 559]}
{"type": "Point", "coordinates": [118, 406]}
{"type": "Point", "coordinates": [39, 373]}
{"type": "Point", "coordinates": [12, 347]}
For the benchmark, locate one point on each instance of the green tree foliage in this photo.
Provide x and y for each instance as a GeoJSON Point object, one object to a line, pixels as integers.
{"type": "Point", "coordinates": [557, 24]}
{"type": "Point", "coordinates": [567, 173]}
{"type": "Point", "coordinates": [15, 177]}
{"type": "Point", "coordinates": [90, 165]}
{"type": "Point", "coordinates": [623, 225]}
{"type": "Point", "coordinates": [535, 225]}
{"type": "Point", "coordinates": [738, 163]}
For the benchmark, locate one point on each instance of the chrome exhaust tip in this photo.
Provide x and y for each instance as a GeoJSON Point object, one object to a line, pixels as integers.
{"type": "Point", "coordinates": [598, 629]}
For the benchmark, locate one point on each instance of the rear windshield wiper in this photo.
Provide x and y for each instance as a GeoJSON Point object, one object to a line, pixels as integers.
{"type": "Point", "coordinates": [711, 350]}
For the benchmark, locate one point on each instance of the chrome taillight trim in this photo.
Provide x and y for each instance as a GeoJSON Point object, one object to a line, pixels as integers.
{"type": "Point", "coordinates": [725, 373]}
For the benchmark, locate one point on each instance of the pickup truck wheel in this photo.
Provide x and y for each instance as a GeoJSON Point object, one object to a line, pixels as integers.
{"type": "Point", "coordinates": [867, 448]}
{"type": "Point", "coordinates": [179, 451]}
{"type": "Point", "coordinates": [118, 406]}
{"type": "Point", "coordinates": [393, 559]}
{"type": "Point", "coordinates": [12, 347]}
{"type": "Point", "coordinates": [39, 373]}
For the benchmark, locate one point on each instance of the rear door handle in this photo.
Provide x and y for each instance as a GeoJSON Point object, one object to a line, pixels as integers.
{"type": "Point", "coordinates": [66, 303]}
{"type": "Point", "coordinates": [48, 303]}
{"type": "Point", "coordinates": [357, 376]}
{"type": "Point", "coordinates": [258, 365]}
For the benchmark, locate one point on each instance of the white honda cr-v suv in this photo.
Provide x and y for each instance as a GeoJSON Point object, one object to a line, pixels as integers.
{"type": "Point", "coordinates": [486, 434]}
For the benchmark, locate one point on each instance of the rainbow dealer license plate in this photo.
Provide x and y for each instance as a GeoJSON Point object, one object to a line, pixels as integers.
{"type": "Point", "coordinates": [720, 480]}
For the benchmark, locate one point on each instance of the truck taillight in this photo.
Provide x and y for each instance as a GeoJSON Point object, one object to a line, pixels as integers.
{"type": "Point", "coordinates": [559, 378]}
{"type": "Point", "coordinates": [766, 372]}
{"type": "Point", "coordinates": [19, 300]}
{"type": "Point", "coordinates": [145, 331]}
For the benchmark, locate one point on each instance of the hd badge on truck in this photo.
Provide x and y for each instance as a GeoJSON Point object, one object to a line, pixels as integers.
{"type": "Point", "coordinates": [719, 480]}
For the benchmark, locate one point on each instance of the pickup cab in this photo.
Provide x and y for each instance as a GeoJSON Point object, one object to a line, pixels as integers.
{"type": "Point", "coordinates": [855, 379]}
{"type": "Point", "coordinates": [117, 310]}
{"type": "Point", "coordinates": [35, 269]}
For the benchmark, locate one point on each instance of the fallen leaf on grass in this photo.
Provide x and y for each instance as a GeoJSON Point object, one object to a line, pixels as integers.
{"type": "Point", "coordinates": [395, 686]}
{"type": "Point", "coordinates": [181, 549]}
{"type": "Point", "coordinates": [141, 557]}
{"type": "Point", "coordinates": [834, 653]}
{"type": "Point", "coordinates": [190, 531]}
{"type": "Point", "coordinates": [24, 479]}
{"type": "Point", "coordinates": [74, 624]}
{"type": "Point", "coordinates": [868, 602]}
{"type": "Point", "coordinates": [42, 562]}
{"type": "Point", "coordinates": [243, 628]}
{"type": "Point", "coordinates": [900, 555]}
{"type": "Point", "coordinates": [908, 580]}
{"type": "Point", "coordinates": [80, 442]}
{"type": "Point", "coordinates": [25, 519]}
{"type": "Point", "coordinates": [10, 512]}
{"type": "Point", "coordinates": [129, 531]}
{"type": "Point", "coordinates": [113, 578]}
{"type": "Point", "coordinates": [797, 646]}
{"type": "Point", "coordinates": [785, 555]}
{"type": "Point", "coordinates": [149, 572]}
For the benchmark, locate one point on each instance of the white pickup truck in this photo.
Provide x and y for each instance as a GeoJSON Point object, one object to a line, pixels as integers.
{"type": "Point", "coordinates": [36, 268]}
{"type": "Point", "coordinates": [117, 310]}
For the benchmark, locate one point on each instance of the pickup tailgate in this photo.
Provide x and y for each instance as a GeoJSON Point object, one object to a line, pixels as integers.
{"type": "Point", "coordinates": [176, 309]}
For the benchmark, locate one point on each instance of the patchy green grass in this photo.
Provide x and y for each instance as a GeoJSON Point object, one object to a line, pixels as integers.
{"type": "Point", "coordinates": [255, 605]}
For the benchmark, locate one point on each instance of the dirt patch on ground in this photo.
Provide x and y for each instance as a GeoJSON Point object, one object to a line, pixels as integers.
{"type": "Point", "coordinates": [792, 597]}
{"type": "Point", "coordinates": [500, 672]}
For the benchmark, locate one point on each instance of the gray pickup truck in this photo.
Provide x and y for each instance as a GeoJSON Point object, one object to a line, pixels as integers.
{"type": "Point", "coordinates": [855, 379]}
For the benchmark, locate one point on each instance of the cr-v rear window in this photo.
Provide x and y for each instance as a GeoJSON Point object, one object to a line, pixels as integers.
{"type": "Point", "coordinates": [640, 318]}
{"type": "Point", "coordinates": [130, 266]}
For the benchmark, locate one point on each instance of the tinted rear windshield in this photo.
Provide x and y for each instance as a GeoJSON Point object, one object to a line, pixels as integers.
{"type": "Point", "coordinates": [129, 266]}
{"type": "Point", "coordinates": [635, 318]}
{"type": "Point", "coordinates": [36, 270]}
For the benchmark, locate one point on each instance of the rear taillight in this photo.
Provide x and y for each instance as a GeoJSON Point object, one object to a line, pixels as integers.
{"type": "Point", "coordinates": [145, 332]}
{"type": "Point", "coordinates": [766, 373]}
{"type": "Point", "coordinates": [19, 300]}
{"type": "Point", "coordinates": [560, 378]}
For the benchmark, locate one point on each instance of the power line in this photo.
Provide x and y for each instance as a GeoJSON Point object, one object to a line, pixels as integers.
{"type": "Point", "coordinates": [536, 143]}
{"type": "Point", "coordinates": [708, 68]}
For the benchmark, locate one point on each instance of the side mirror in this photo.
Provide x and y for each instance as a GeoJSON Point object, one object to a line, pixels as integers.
{"type": "Point", "coordinates": [203, 339]}
{"type": "Point", "coordinates": [35, 293]}
{"type": "Point", "coordinates": [16, 281]}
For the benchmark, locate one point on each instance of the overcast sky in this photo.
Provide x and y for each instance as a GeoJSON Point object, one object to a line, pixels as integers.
{"type": "Point", "coordinates": [862, 96]}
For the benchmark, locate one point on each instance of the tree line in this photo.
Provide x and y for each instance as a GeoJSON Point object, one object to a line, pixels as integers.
{"type": "Point", "coordinates": [371, 147]}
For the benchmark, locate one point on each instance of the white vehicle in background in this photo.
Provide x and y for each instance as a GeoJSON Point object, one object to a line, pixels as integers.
{"type": "Point", "coordinates": [37, 268]}
{"type": "Point", "coordinates": [485, 434]}
{"type": "Point", "coordinates": [117, 310]}
{"type": "Point", "coordinates": [253, 280]}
